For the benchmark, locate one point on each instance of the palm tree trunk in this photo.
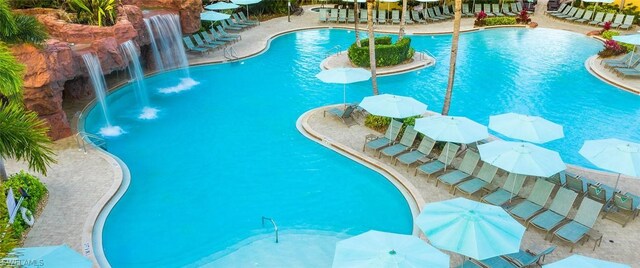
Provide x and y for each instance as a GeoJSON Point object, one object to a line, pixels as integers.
{"type": "Point", "coordinates": [357, 20]}
{"type": "Point", "coordinates": [402, 22]}
{"type": "Point", "coordinates": [3, 171]}
{"type": "Point", "coordinates": [372, 46]}
{"type": "Point", "coordinates": [454, 55]}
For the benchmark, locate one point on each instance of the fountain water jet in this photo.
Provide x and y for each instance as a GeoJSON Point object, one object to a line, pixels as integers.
{"type": "Point", "coordinates": [99, 87]}
{"type": "Point", "coordinates": [135, 70]}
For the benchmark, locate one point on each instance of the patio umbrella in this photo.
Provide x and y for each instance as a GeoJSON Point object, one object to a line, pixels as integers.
{"type": "Point", "coordinates": [389, 2]}
{"type": "Point", "coordinates": [344, 76]}
{"type": "Point", "coordinates": [451, 129]}
{"type": "Point", "coordinates": [577, 260]}
{"type": "Point", "coordinates": [246, 3]}
{"type": "Point", "coordinates": [616, 155]}
{"type": "Point", "coordinates": [61, 256]}
{"type": "Point", "coordinates": [524, 127]}
{"type": "Point", "coordinates": [380, 249]}
{"type": "Point", "coordinates": [393, 106]}
{"type": "Point", "coordinates": [213, 16]}
{"type": "Point", "coordinates": [470, 228]}
{"type": "Point", "coordinates": [633, 39]}
{"type": "Point", "coordinates": [221, 6]}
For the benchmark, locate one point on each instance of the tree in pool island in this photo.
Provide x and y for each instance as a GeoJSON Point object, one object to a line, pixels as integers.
{"type": "Point", "coordinates": [454, 55]}
{"type": "Point", "coordinates": [356, 21]}
{"type": "Point", "coordinates": [372, 46]}
{"type": "Point", "coordinates": [402, 20]}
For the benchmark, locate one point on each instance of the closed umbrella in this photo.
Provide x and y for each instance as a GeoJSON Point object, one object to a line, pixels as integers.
{"type": "Point", "coordinates": [470, 228]}
{"type": "Point", "coordinates": [622, 157]}
{"type": "Point", "coordinates": [213, 16]}
{"type": "Point", "coordinates": [344, 76]}
{"type": "Point", "coordinates": [221, 6]}
{"type": "Point", "coordinates": [524, 127]}
{"type": "Point", "coordinates": [451, 129]}
{"type": "Point", "coordinates": [380, 249]}
{"type": "Point", "coordinates": [579, 261]}
{"type": "Point", "coordinates": [393, 106]}
{"type": "Point", "coordinates": [246, 3]}
{"type": "Point", "coordinates": [61, 256]}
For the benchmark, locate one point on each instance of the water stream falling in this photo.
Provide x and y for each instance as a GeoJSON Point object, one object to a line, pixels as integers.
{"type": "Point", "coordinates": [130, 51]}
{"type": "Point", "coordinates": [168, 52]}
{"type": "Point", "coordinates": [99, 86]}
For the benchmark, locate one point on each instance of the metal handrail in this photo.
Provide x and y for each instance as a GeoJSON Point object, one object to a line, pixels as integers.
{"type": "Point", "coordinates": [230, 53]}
{"type": "Point", "coordinates": [83, 137]}
{"type": "Point", "coordinates": [337, 49]}
{"type": "Point", "coordinates": [275, 227]}
{"type": "Point", "coordinates": [426, 52]}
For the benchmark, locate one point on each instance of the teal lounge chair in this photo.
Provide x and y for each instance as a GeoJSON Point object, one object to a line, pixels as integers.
{"type": "Point", "coordinates": [333, 16]}
{"type": "Point", "coordinates": [557, 212]}
{"type": "Point", "coordinates": [607, 17]}
{"type": "Point", "coordinates": [377, 143]}
{"type": "Point", "coordinates": [576, 16]}
{"type": "Point", "coordinates": [586, 17]}
{"type": "Point", "coordinates": [507, 192]}
{"type": "Point", "coordinates": [244, 18]}
{"type": "Point", "coordinates": [211, 40]}
{"type": "Point", "coordinates": [526, 258]}
{"type": "Point", "coordinates": [395, 16]}
{"type": "Point", "coordinates": [344, 115]}
{"type": "Point", "coordinates": [635, 71]}
{"type": "Point", "coordinates": [618, 20]}
{"type": "Point", "coordinates": [625, 208]}
{"type": "Point", "coordinates": [407, 18]}
{"type": "Point", "coordinates": [466, 12]}
{"type": "Point", "coordinates": [577, 184]}
{"type": "Point", "coordinates": [407, 140]}
{"type": "Point", "coordinates": [487, 10]}
{"type": "Point", "coordinates": [506, 12]}
{"type": "Point", "coordinates": [322, 15]}
{"type": "Point", "coordinates": [559, 178]}
{"type": "Point", "coordinates": [576, 229]}
{"type": "Point", "coordinates": [227, 26]}
{"type": "Point", "coordinates": [342, 16]}
{"type": "Point", "coordinates": [351, 17]}
{"type": "Point", "coordinates": [495, 9]}
{"type": "Point", "coordinates": [363, 16]}
{"type": "Point", "coordinates": [227, 35]}
{"type": "Point", "coordinates": [191, 47]}
{"type": "Point", "coordinates": [627, 23]}
{"type": "Point", "coordinates": [535, 201]}
{"type": "Point", "coordinates": [219, 37]}
{"type": "Point", "coordinates": [444, 159]}
{"type": "Point", "coordinates": [485, 177]}
{"type": "Point", "coordinates": [382, 16]}
{"type": "Point", "coordinates": [418, 154]}
{"type": "Point", "coordinates": [464, 171]}
{"type": "Point", "coordinates": [237, 24]}
{"type": "Point", "coordinates": [239, 20]}
{"type": "Point", "coordinates": [627, 61]}
{"type": "Point", "coordinates": [477, 8]}
{"type": "Point", "coordinates": [430, 15]}
{"type": "Point", "coordinates": [446, 11]}
{"type": "Point", "coordinates": [597, 19]}
{"type": "Point", "coordinates": [519, 8]}
{"type": "Point", "coordinates": [201, 43]}
{"type": "Point", "coordinates": [600, 192]}
{"type": "Point", "coordinates": [569, 14]}
{"type": "Point", "coordinates": [439, 14]}
{"type": "Point", "coordinates": [559, 10]}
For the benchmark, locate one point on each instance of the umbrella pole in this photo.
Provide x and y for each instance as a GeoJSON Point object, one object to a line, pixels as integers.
{"type": "Point", "coordinates": [344, 94]}
{"type": "Point", "coordinates": [615, 189]}
{"type": "Point", "coordinates": [513, 188]}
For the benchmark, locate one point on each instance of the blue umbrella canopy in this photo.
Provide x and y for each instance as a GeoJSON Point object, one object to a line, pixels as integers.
{"type": "Point", "coordinates": [525, 127]}
{"type": "Point", "coordinates": [451, 129]}
{"type": "Point", "coordinates": [522, 158]}
{"type": "Point", "coordinates": [616, 155]}
{"type": "Point", "coordinates": [61, 256]}
{"type": "Point", "coordinates": [381, 249]}
{"type": "Point", "coordinates": [470, 228]}
{"type": "Point", "coordinates": [213, 16]}
{"type": "Point", "coordinates": [393, 106]}
{"type": "Point", "coordinates": [221, 6]}
{"type": "Point", "coordinates": [575, 261]}
{"type": "Point", "coordinates": [344, 76]}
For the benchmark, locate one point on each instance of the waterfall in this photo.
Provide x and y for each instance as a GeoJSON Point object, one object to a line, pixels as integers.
{"type": "Point", "coordinates": [166, 35]}
{"type": "Point", "coordinates": [99, 87]}
{"type": "Point", "coordinates": [135, 70]}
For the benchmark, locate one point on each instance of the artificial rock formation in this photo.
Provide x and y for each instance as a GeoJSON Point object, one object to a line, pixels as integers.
{"type": "Point", "coordinates": [189, 11]}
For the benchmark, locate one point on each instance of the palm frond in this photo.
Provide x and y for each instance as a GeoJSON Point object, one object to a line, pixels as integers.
{"type": "Point", "coordinates": [7, 24]}
{"type": "Point", "coordinates": [11, 75]}
{"type": "Point", "coordinates": [30, 30]}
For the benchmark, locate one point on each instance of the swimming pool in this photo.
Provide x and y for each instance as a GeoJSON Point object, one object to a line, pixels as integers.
{"type": "Point", "coordinates": [226, 152]}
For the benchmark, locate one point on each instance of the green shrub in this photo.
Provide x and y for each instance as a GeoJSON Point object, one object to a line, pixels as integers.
{"type": "Point", "coordinates": [34, 188]}
{"type": "Point", "coordinates": [387, 54]}
{"type": "Point", "coordinates": [609, 34]}
{"type": "Point", "coordinates": [22, 4]}
{"type": "Point", "coordinates": [500, 21]}
{"type": "Point", "coordinates": [377, 123]}
{"type": "Point", "coordinates": [94, 12]}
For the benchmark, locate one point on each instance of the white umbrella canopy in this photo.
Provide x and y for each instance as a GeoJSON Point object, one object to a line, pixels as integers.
{"type": "Point", "coordinates": [622, 157]}
{"type": "Point", "coordinates": [351, 1]}
{"type": "Point", "coordinates": [381, 249]}
{"type": "Point", "coordinates": [246, 3]}
{"type": "Point", "coordinates": [213, 16]}
{"type": "Point", "coordinates": [451, 129]}
{"type": "Point", "coordinates": [221, 6]}
{"type": "Point", "coordinates": [633, 39]}
{"type": "Point", "coordinates": [522, 158]}
{"type": "Point", "coordinates": [470, 228]}
{"type": "Point", "coordinates": [524, 127]}
{"type": "Point", "coordinates": [344, 76]}
{"type": "Point", "coordinates": [579, 261]}
{"type": "Point", "coordinates": [393, 106]}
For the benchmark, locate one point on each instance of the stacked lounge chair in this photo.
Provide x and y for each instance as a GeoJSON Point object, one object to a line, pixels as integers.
{"type": "Point", "coordinates": [407, 140]}
{"type": "Point", "coordinates": [417, 154]}
{"type": "Point", "coordinates": [444, 159]}
{"type": "Point", "coordinates": [464, 170]}
{"type": "Point", "coordinates": [507, 192]}
{"type": "Point", "coordinates": [534, 203]}
{"type": "Point", "coordinates": [557, 212]}
{"type": "Point", "coordinates": [377, 143]}
{"type": "Point", "coordinates": [576, 229]}
{"type": "Point", "coordinates": [483, 178]}
{"type": "Point", "coordinates": [625, 208]}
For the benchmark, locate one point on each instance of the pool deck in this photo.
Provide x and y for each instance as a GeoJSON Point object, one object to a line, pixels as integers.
{"type": "Point", "coordinates": [81, 184]}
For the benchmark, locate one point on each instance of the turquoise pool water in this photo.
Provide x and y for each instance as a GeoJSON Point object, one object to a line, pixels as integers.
{"type": "Point", "coordinates": [227, 152]}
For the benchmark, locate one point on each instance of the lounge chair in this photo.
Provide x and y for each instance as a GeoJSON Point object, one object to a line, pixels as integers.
{"type": "Point", "coordinates": [322, 15]}
{"type": "Point", "coordinates": [407, 18]}
{"type": "Point", "coordinates": [374, 13]}
{"type": "Point", "coordinates": [201, 42]}
{"type": "Point", "coordinates": [430, 15]}
{"type": "Point", "coordinates": [377, 143]}
{"type": "Point", "coordinates": [447, 12]}
{"type": "Point", "coordinates": [342, 16]}
{"type": "Point", "coordinates": [212, 40]}
{"type": "Point", "coordinates": [559, 10]}
{"type": "Point", "coordinates": [607, 18]}
{"type": "Point", "coordinates": [485, 177]}
{"type": "Point", "coordinates": [597, 19]}
{"type": "Point", "coordinates": [535, 201]}
{"type": "Point", "coordinates": [506, 12]}
{"type": "Point", "coordinates": [477, 8]}
{"type": "Point", "coordinates": [363, 16]}
{"type": "Point", "coordinates": [557, 212]}
{"type": "Point", "coordinates": [239, 20]}
{"type": "Point", "coordinates": [395, 16]}
{"type": "Point", "coordinates": [466, 12]}
{"type": "Point", "coordinates": [237, 23]}
{"type": "Point", "coordinates": [514, 8]}
{"type": "Point", "coordinates": [333, 16]}
{"type": "Point", "coordinates": [495, 8]}
{"type": "Point", "coordinates": [487, 10]}
{"type": "Point", "coordinates": [418, 154]}
{"type": "Point", "coordinates": [627, 23]}
{"type": "Point", "coordinates": [345, 115]}
{"type": "Point", "coordinates": [600, 192]}
{"type": "Point", "coordinates": [577, 228]}
{"type": "Point", "coordinates": [415, 15]}
{"type": "Point", "coordinates": [227, 35]}
{"type": "Point", "coordinates": [526, 258]}
{"type": "Point", "coordinates": [618, 21]}
{"type": "Point", "coordinates": [218, 37]}
{"type": "Point", "coordinates": [351, 16]}
{"type": "Point", "coordinates": [382, 16]}
{"type": "Point", "coordinates": [507, 192]}
{"type": "Point", "coordinates": [228, 26]}
{"type": "Point", "coordinates": [444, 159]}
{"type": "Point", "coordinates": [559, 178]}
{"type": "Point", "coordinates": [244, 18]}
{"type": "Point", "coordinates": [519, 8]}
{"type": "Point", "coordinates": [624, 209]}
{"type": "Point", "coordinates": [586, 17]}
{"type": "Point", "coordinates": [407, 140]}
{"type": "Point", "coordinates": [464, 170]}
{"type": "Point", "coordinates": [191, 47]}
{"type": "Point", "coordinates": [635, 71]}
{"type": "Point", "coordinates": [568, 14]}
{"type": "Point", "coordinates": [628, 61]}
{"type": "Point", "coordinates": [577, 184]}
{"type": "Point", "coordinates": [576, 16]}
{"type": "Point", "coordinates": [436, 10]}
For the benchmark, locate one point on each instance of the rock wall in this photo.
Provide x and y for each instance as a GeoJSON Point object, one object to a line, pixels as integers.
{"type": "Point", "coordinates": [189, 11]}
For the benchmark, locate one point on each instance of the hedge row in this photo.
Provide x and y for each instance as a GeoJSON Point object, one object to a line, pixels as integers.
{"type": "Point", "coordinates": [500, 21]}
{"type": "Point", "coordinates": [387, 54]}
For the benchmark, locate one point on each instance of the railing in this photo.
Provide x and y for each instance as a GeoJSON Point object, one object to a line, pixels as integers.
{"type": "Point", "coordinates": [230, 53]}
{"type": "Point", "coordinates": [426, 52]}
{"type": "Point", "coordinates": [337, 50]}
{"type": "Point", "coordinates": [275, 227]}
{"type": "Point", "coordinates": [82, 138]}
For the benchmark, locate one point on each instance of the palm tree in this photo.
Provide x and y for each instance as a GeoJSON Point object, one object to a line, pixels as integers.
{"type": "Point", "coordinates": [372, 46]}
{"type": "Point", "coordinates": [454, 55]}
{"type": "Point", "coordinates": [356, 21]}
{"type": "Point", "coordinates": [402, 22]}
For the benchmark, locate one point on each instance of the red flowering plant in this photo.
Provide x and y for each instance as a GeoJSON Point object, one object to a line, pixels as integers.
{"type": "Point", "coordinates": [607, 26]}
{"type": "Point", "coordinates": [611, 48]}
{"type": "Point", "coordinates": [480, 19]}
{"type": "Point", "coordinates": [523, 17]}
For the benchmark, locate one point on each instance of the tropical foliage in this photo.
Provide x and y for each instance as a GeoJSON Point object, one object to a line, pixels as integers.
{"type": "Point", "coordinates": [21, 4]}
{"type": "Point", "coordinates": [500, 21]}
{"type": "Point", "coordinates": [10, 76]}
{"type": "Point", "coordinates": [387, 54]}
{"type": "Point", "coordinates": [94, 12]}
{"type": "Point", "coordinates": [15, 29]}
